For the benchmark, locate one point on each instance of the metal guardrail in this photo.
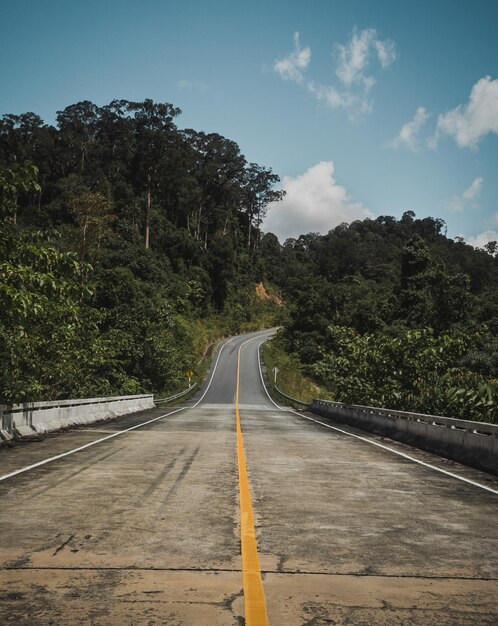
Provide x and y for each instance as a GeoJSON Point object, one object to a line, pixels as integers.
{"type": "Point", "coordinates": [481, 428]}
{"type": "Point", "coordinates": [176, 396]}
{"type": "Point", "coordinates": [290, 397]}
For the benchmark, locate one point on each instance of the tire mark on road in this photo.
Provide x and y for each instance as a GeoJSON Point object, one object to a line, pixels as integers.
{"type": "Point", "coordinates": [182, 474]}
{"type": "Point", "coordinates": [164, 472]}
{"type": "Point", "coordinates": [63, 545]}
{"type": "Point", "coordinates": [73, 474]}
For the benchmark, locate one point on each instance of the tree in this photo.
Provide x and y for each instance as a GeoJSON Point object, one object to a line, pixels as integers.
{"type": "Point", "coordinates": [154, 127]}
{"type": "Point", "coordinates": [15, 180]}
{"type": "Point", "coordinates": [92, 212]}
{"type": "Point", "coordinates": [259, 193]}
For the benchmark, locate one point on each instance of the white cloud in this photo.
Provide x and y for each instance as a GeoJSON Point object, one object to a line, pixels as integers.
{"type": "Point", "coordinates": [408, 135]}
{"type": "Point", "coordinates": [188, 85]}
{"type": "Point", "coordinates": [353, 62]}
{"type": "Point", "coordinates": [386, 51]}
{"type": "Point", "coordinates": [354, 104]}
{"type": "Point", "coordinates": [352, 92]}
{"type": "Point", "coordinates": [470, 123]}
{"type": "Point", "coordinates": [354, 58]}
{"type": "Point", "coordinates": [468, 199]}
{"type": "Point", "coordinates": [293, 66]}
{"type": "Point", "coordinates": [314, 202]}
{"type": "Point", "coordinates": [474, 190]}
{"type": "Point", "coordinates": [479, 241]}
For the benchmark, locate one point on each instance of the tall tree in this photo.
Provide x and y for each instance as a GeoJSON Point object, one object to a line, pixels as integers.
{"type": "Point", "coordinates": [259, 193]}
{"type": "Point", "coordinates": [154, 129]}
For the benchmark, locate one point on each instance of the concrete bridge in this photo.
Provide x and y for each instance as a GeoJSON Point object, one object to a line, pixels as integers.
{"type": "Point", "coordinates": [230, 510]}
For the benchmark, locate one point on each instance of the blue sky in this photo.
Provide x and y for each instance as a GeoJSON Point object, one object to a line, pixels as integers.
{"type": "Point", "coordinates": [376, 107]}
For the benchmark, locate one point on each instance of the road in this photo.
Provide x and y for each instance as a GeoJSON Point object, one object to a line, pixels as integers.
{"type": "Point", "coordinates": [145, 528]}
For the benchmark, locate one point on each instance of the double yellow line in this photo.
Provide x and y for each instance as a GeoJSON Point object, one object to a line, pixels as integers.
{"type": "Point", "coordinates": [254, 596]}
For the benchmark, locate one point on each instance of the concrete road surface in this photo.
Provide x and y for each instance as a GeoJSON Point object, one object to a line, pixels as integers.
{"type": "Point", "coordinates": [144, 528]}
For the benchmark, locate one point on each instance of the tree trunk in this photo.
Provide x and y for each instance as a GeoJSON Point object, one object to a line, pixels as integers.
{"type": "Point", "coordinates": [249, 229]}
{"type": "Point", "coordinates": [147, 218]}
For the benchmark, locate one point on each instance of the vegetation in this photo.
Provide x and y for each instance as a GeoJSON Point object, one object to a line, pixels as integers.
{"type": "Point", "coordinates": [125, 251]}
{"type": "Point", "coordinates": [290, 378]}
{"type": "Point", "coordinates": [393, 313]}
{"type": "Point", "coordinates": [128, 245]}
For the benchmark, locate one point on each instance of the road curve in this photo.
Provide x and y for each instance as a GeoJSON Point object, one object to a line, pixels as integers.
{"type": "Point", "coordinates": [145, 527]}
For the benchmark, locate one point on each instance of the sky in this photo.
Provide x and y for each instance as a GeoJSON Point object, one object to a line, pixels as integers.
{"type": "Point", "coordinates": [362, 107]}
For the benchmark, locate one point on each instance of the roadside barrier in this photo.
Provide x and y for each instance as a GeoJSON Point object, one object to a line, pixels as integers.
{"type": "Point", "coordinates": [32, 418]}
{"type": "Point", "coordinates": [290, 398]}
{"type": "Point", "coordinates": [176, 396]}
{"type": "Point", "coordinates": [465, 441]}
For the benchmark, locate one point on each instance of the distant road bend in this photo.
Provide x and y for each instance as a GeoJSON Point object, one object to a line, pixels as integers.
{"type": "Point", "coordinates": [231, 510]}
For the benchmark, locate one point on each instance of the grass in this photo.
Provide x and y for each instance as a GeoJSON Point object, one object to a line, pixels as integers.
{"type": "Point", "coordinates": [290, 378]}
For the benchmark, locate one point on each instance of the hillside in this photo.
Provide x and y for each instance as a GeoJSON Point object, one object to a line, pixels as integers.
{"type": "Point", "coordinates": [393, 313]}
{"type": "Point", "coordinates": [127, 245]}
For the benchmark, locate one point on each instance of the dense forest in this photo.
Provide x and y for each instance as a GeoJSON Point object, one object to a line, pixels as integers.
{"type": "Point", "coordinates": [128, 244]}
{"type": "Point", "coordinates": [393, 313]}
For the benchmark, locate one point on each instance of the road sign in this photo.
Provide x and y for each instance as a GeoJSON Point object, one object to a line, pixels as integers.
{"type": "Point", "coordinates": [189, 374]}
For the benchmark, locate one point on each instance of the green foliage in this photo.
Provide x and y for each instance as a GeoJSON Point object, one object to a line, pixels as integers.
{"type": "Point", "coordinates": [291, 378]}
{"type": "Point", "coordinates": [392, 313]}
{"type": "Point", "coordinates": [139, 247]}
{"type": "Point", "coordinates": [48, 339]}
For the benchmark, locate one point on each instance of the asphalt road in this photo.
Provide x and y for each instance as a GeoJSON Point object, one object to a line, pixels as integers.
{"type": "Point", "coordinates": [144, 528]}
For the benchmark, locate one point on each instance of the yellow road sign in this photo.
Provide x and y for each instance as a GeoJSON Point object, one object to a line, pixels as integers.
{"type": "Point", "coordinates": [190, 373]}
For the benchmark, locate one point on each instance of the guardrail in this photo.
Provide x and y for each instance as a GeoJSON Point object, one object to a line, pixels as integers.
{"type": "Point", "coordinates": [32, 418]}
{"type": "Point", "coordinates": [465, 441]}
{"type": "Point", "coordinates": [295, 400]}
{"type": "Point", "coordinates": [176, 396]}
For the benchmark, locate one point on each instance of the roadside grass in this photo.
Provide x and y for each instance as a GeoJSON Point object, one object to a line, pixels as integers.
{"type": "Point", "coordinates": [290, 378]}
{"type": "Point", "coordinates": [260, 308]}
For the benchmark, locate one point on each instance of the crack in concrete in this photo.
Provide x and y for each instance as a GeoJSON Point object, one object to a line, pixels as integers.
{"type": "Point", "coordinates": [152, 568]}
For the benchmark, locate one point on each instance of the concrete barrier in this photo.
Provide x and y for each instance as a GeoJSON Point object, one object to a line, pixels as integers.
{"type": "Point", "coordinates": [465, 441]}
{"type": "Point", "coordinates": [32, 418]}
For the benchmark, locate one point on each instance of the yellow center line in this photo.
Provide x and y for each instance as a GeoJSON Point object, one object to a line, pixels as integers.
{"type": "Point", "coordinates": [254, 596]}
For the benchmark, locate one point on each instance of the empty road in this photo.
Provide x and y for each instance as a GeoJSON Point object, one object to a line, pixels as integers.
{"type": "Point", "coordinates": [228, 508]}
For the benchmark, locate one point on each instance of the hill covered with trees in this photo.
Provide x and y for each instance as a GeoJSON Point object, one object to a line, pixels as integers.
{"type": "Point", "coordinates": [126, 244]}
{"type": "Point", "coordinates": [393, 313]}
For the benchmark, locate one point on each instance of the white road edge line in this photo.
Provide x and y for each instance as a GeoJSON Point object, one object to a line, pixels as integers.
{"type": "Point", "coordinates": [121, 432]}
{"type": "Point", "coordinates": [366, 440]}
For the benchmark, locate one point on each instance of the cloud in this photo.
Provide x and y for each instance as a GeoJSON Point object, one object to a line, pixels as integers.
{"type": "Point", "coordinates": [479, 241]}
{"type": "Point", "coordinates": [468, 199]}
{"type": "Point", "coordinates": [408, 135]}
{"type": "Point", "coordinates": [314, 202]}
{"type": "Point", "coordinates": [197, 86]}
{"type": "Point", "coordinates": [355, 105]}
{"type": "Point", "coordinates": [355, 82]}
{"type": "Point", "coordinates": [474, 190]}
{"type": "Point", "coordinates": [293, 66]}
{"type": "Point", "coordinates": [470, 123]}
{"type": "Point", "coordinates": [354, 58]}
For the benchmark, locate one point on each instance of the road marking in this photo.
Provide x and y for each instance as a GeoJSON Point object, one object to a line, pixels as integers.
{"type": "Point", "coordinates": [254, 595]}
{"type": "Point", "coordinates": [366, 440]}
{"type": "Point", "coordinates": [121, 432]}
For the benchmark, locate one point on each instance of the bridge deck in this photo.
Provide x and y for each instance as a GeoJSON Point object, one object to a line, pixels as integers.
{"type": "Point", "coordinates": [144, 528]}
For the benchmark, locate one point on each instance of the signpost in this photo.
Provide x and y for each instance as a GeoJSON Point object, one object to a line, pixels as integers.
{"type": "Point", "coordinates": [275, 371]}
{"type": "Point", "coordinates": [189, 374]}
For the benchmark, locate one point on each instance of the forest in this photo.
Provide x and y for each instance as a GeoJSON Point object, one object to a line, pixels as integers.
{"type": "Point", "coordinates": [127, 245]}
{"type": "Point", "coordinates": [393, 313]}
